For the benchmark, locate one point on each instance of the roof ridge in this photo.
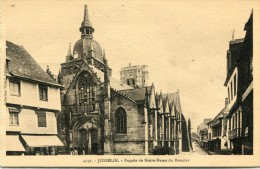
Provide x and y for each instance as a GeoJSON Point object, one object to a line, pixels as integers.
{"type": "Point", "coordinates": [24, 65]}
{"type": "Point", "coordinates": [135, 88]}
{"type": "Point", "coordinates": [123, 94]}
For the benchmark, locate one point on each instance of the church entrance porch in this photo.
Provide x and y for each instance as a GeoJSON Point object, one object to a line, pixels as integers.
{"type": "Point", "coordinates": [88, 141]}
{"type": "Point", "coordinates": [85, 139]}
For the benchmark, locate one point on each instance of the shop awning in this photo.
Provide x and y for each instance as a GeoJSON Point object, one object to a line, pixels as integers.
{"type": "Point", "coordinates": [42, 141]}
{"type": "Point", "coordinates": [13, 143]}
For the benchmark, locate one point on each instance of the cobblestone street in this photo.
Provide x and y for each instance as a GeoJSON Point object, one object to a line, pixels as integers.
{"type": "Point", "coordinates": [197, 150]}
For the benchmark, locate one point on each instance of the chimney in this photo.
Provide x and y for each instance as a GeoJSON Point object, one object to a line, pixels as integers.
{"type": "Point", "coordinates": [226, 102]}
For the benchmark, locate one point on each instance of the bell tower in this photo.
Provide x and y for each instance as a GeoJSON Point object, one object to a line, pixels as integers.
{"type": "Point", "coordinates": [86, 28]}
{"type": "Point", "coordinates": [136, 76]}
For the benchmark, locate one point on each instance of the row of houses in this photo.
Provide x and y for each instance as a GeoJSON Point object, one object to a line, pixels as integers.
{"type": "Point", "coordinates": [85, 108]}
{"type": "Point", "coordinates": [231, 130]}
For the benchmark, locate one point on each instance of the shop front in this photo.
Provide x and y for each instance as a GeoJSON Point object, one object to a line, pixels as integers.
{"type": "Point", "coordinates": [41, 144]}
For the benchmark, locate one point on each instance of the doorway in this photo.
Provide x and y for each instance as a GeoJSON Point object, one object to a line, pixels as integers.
{"type": "Point", "coordinates": [89, 140]}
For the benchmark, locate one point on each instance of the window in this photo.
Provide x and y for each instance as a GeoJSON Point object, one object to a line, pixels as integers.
{"type": "Point", "coordinates": [121, 125]}
{"type": "Point", "coordinates": [14, 86]}
{"type": "Point", "coordinates": [238, 119]}
{"type": "Point", "coordinates": [86, 89]}
{"type": "Point", "coordinates": [235, 84]}
{"type": "Point", "coordinates": [43, 92]}
{"type": "Point", "coordinates": [228, 95]}
{"type": "Point", "coordinates": [133, 82]}
{"type": "Point", "coordinates": [14, 117]}
{"type": "Point", "coordinates": [229, 124]}
{"type": "Point", "coordinates": [231, 93]}
{"type": "Point", "coordinates": [229, 60]}
{"type": "Point", "coordinates": [233, 122]}
{"type": "Point", "coordinates": [41, 119]}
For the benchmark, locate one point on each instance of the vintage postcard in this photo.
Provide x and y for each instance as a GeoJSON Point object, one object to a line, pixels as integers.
{"type": "Point", "coordinates": [129, 83]}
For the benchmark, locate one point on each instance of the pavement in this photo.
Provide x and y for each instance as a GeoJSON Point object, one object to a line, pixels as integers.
{"type": "Point", "coordinates": [197, 150]}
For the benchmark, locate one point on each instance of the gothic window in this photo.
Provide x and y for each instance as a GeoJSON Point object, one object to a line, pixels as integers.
{"type": "Point", "coordinates": [86, 89]}
{"type": "Point", "coordinates": [121, 124]}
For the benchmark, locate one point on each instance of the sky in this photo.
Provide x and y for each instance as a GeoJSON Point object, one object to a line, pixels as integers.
{"type": "Point", "coordinates": [184, 43]}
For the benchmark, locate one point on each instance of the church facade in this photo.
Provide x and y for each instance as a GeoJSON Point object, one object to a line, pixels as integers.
{"type": "Point", "coordinates": [105, 116]}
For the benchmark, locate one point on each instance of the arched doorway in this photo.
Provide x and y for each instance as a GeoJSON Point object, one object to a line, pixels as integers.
{"type": "Point", "coordinates": [88, 138]}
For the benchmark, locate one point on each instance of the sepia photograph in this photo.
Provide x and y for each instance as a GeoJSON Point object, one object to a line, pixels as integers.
{"type": "Point", "coordinates": [129, 83]}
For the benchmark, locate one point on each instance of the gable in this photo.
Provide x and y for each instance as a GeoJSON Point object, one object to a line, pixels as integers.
{"type": "Point", "coordinates": [152, 98]}
{"type": "Point", "coordinates": [84, 68]}
{"type": "Point", "coordinates": [160, 104]}
{"type": "Point", "coordinates": [167, 110]}
{"type": "Point", "coordinates": [22, 64]}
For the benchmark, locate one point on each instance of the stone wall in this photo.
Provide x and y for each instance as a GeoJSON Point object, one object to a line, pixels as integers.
{"type": "Point", "coordinates": [133, 141]}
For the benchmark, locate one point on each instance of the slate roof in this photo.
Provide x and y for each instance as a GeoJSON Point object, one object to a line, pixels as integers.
{"type": "Point", "coordinates": [137, 94]}
{"type": "Point", "coordinates": [23, 65]}
{"type": "Point", "coordinates": [216, 121]}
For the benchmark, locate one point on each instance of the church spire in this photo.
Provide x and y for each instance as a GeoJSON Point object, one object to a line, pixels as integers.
{"type": "Point", "coordinates": [86, 28]}
{"type": "Point", "coordinates": [86, 13]}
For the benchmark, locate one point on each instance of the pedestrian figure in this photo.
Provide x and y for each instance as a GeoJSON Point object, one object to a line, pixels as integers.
{"type": "Point", "coordinates": [165, 150]}
{"type": "Point", "coordinates": [159, 150]}
{"type": "Point", "coordinates": [155, 151]}
{"type": "Point", "coordinates": [52, 150]}
{"type": "Point", "coordinates": [76, 150]}
{"type": "Point", "coordinates": [71, 150]}
{"type": "Point", "coordinates": [83, 150]}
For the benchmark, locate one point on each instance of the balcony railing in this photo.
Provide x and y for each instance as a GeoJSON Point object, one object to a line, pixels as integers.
{"type": "Point", "coordinates": [235, 133]}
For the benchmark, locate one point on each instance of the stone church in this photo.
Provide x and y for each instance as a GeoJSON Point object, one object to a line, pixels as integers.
{"type": "Point", "coordinates": [108, 116]}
